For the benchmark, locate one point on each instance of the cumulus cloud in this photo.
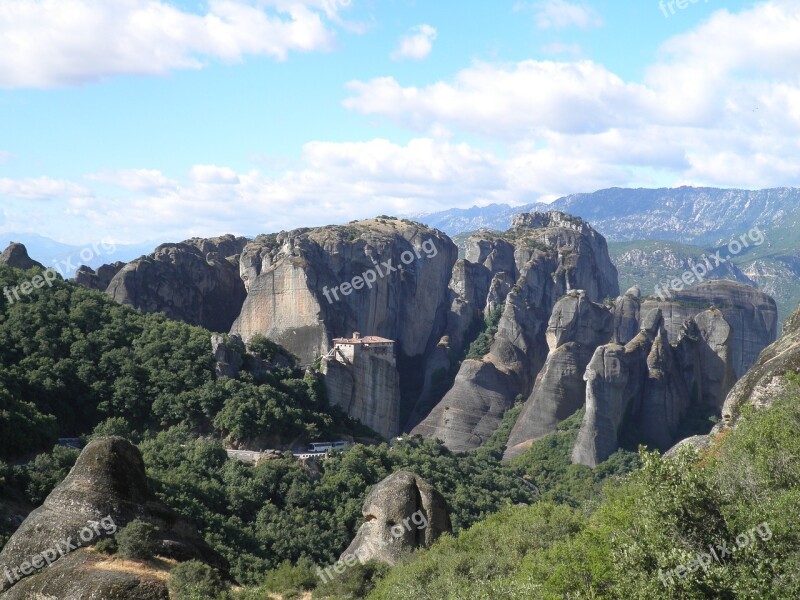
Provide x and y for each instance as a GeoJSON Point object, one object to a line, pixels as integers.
{"type": "Point", "coordinates": [417, 44]}
{"type": "Point", "coordinates": [728, 84]}
{"type": "Point", "coordinates": [708, 111]}
{"type": "Point", "coordinates": [560, 14]}
{"type": "Point", "coordinates": [52, 43]}
{"type": "Point", "coordinates": [41, 188]}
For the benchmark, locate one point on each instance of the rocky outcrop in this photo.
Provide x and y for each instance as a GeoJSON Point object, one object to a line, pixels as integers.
{"type": "Point", "coordinates": [105, 490]}
{"type": "Point", "coordinates": [366, 385]}
{"type": "Point", "coordinates": [228, 355]}
{"type": "Point", "coordinates": [16, 256]}
{"type": "Point", "coordinates": [767, 379]}
{"type": "Point", "coordinates": [84, 574]}
{"type": "Point", "coordinates": [383, 277]}
{"type": "Point", "coordinates": [402, 513]}
{"type": "Point", "coordinates": [615, 378]}
{"type": "Point", "coordinates": [687, 356]}
{"type": "Point", "coordinates": [553, 254]}
{"type": "Point", "coordinates": [196, 281]}
{"type": "Point", "coordinates": [751, 313]}
{"type": "Point", "coordinates": [577, 326]}
{"type": "Point", "coordinates": [100, 279]}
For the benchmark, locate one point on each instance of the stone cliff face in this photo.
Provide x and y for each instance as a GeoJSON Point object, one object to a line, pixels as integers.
{"type": "Point", "coordinates": [688, 354]}
{"type": "Point", "coordinates": [100, 279]}
{"type": "Point", "coordinates": [751, 313]}
{"type": "Point", "coordinates": [552, 255]}
{"type": "Point", "coordinates": [383, 277]}
{"type": "Point", "coordinates": [367, 387]}
{"type": "Point", "coordinates": [107, 486]}
{"type": "Point", "coordinates": [196, 281]}
{"type": "Point", "coordinates": [577, 326]}
{"type": "Point", "coordinates": [768, 377]}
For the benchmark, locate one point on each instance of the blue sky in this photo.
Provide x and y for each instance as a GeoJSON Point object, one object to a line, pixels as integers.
{"type": "Point", "coordinates": [139, 120]}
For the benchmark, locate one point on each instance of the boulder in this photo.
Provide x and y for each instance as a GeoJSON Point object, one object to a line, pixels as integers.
{"type": "Point", "coordinates": [105, 490]}
{"type": "Point", "coordinates": [402, 513]}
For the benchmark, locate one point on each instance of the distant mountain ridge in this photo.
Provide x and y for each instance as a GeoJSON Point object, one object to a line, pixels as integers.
{"type": "Point", "coordinates": [702, 217]}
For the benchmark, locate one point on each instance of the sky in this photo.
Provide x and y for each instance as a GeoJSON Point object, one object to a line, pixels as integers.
{"type": "Point", "coordinates": [139, 120]}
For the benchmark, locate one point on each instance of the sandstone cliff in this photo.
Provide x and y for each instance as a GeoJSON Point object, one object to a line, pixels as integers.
{"type": "Point", "coordinates": [577, 326]}
{"type": "Point", "coordinates": [196, 281]}
{"type": "Point", "coordinates": [553, 254]}
{"type": "Point", "coordinates": [767, 379]}
{"type": "Point", "coordinates": [367, 387]}
{"type": "Point", "coordinates": [297, 295]}
{"type": "Point", "coordinates": [689, 353]}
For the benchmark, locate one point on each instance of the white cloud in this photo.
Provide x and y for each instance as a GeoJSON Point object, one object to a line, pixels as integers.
{"type": "Point", "coordinates": [135, 179]}
{"type": "Point", "coordinates": [708, 112]}
{"type": "Point", "coordinates": [510, 101]}
{"type": "Point", "coordinates": [213, 175]}
{"type": "Point", "coordinates": [42, 188]}
{"type": "Point", "coordinates": [560, 14]}
{"type": "Point", "coordinates": [417, 44]}
{"type": "Point", "coordinates": [51, 43]}
{"type": "Point", "coordinates": [728, 84]}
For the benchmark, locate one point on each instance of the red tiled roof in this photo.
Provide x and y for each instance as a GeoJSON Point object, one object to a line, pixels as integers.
{"type": "Point", "coordinates": [368, 339]}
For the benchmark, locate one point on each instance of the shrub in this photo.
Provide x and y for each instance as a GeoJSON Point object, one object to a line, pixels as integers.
{"type": "Point", "coordinates": [291, 578]}
{"type": "Point", "coordinates": [138, 540]}
{"type": "Point", "coordinates": [107, 546]}
{"type": "Point", "coordinates": [194, 580]}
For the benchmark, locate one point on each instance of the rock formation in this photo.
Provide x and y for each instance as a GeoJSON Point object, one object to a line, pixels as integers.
{"type": "Point", "coordinates": [361, 377]}
{"type": "Point", "coordinates": [766, 380]}
{"type": "Point", "coordinates": [228, 356]}
{"type": "Point", "coordinates": [689, 353]}
{"type": "Point", "coordinates": [577, 326]}
{"type": "Point", "coordinates": [100, 279]}
{"type": "Point", "coordinates": [382, 277]}
{"type": "Point", "coordinates": [16, 256]}
{"type": "Point", "coordinates": [196, 281]}
{"type": "Point", "coordinates": [553, 254]}
{"type": "Point", "coordinates": [402, 513]}
{"type": "Point", "coordinates": [751, 313]}
{"type": "Point", "coordinates": [107, 486]}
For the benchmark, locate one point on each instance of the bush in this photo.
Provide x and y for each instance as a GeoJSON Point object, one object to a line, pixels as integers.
{"type": "Point", "coordinates": [194, 580]}
{"type": "Point", "coordinates": [291, 578]}
{"type": "Point", "coordinates": [356, 581]}
{"type": "Point", "coordinates": [138, 540]}
{"type": "Point", "coordinates": [107, 546]}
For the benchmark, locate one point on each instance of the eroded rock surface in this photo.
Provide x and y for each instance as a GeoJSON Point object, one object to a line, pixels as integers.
{"type": "Point", "coordinates": [16, 256]}
{"type": "Point", "coordinates": [196, 281]}
{"type": "Point", "coordinates": [108, 486]}
{"type": "Point", "coordinates": [402, 513]}
{"type": "Point", "coordinates": [553, 254]}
